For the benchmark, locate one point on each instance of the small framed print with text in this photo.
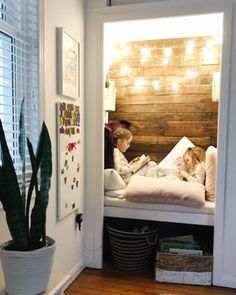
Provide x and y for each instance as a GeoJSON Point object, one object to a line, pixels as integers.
{"type": "Point", "coordinates": [68, 65]}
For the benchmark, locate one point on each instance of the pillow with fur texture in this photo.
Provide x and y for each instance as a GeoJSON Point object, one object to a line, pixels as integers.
{"type": "Point", "coordinates": [211, 160]}
{"type": "Point", "coordinates": [112, 180]}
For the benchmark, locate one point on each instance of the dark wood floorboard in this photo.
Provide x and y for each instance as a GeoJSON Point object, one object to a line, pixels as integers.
{"type": "Point", "coordinates": [115, 282]}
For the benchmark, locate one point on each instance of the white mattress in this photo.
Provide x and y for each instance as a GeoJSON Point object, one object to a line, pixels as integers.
{"type": "Point", "coordinates": [116, 207]}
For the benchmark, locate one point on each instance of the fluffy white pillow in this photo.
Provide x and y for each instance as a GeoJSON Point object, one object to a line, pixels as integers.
{"type": "Point", "coordinates": [211, 157]}
{"type": "Point", "coordinates": [112, 180]}
{"type": "Point", "coordinates": [115, 193]}
{"type": "Point", "coordinates": [170, 163]}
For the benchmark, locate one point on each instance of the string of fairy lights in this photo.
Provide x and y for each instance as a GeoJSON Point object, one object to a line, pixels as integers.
{"type": "Point", "coordinates": [207, 51]}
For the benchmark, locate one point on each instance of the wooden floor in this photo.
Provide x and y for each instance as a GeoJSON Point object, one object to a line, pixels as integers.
{"type": "Point", "coordinates": [110, 281]}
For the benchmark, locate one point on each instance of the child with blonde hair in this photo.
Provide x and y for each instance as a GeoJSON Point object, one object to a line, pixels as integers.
{"type": "Point", "coordinates": [122, 139]}
{"type": "Point", "coordinates": [194, 165]}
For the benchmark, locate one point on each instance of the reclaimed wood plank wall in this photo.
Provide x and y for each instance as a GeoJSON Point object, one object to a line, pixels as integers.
{"type": "Point", "coordinates": [161, 116]}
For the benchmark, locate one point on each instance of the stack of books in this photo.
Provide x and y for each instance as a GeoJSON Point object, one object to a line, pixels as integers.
{"type": "Point", "coordinates": [181, 245]}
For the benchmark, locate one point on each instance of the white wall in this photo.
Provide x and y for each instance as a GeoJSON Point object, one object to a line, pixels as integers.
{"type": "Point", "coordinates": [69, 15]}
{"type": "Point", "coordinates": [93, 4]}
{"type": "Point", "coordinates": [68, 261]}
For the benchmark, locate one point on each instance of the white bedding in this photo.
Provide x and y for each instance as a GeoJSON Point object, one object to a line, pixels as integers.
{"type": "Point", "coordinates": [118, 207]}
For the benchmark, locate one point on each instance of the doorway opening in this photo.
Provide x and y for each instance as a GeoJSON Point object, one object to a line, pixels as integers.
{"type": "Point", "coordinates": [162, 76]}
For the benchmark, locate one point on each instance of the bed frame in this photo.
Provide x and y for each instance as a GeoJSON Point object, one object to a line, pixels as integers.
{"type": "Point", "coordinates": [115, 207]}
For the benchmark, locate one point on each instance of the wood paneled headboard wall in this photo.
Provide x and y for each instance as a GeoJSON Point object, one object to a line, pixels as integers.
{"type": "Point", "coordinates": [178, 104]}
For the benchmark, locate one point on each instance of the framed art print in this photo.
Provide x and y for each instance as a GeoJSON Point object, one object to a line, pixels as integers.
{"type": "Point", "coordinates": [68, 62]}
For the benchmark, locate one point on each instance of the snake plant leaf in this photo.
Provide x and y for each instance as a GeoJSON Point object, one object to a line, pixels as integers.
{"type": "Point", "coordinates": [11, 197]}
{"type": "Point", "coordinates": [22, 145]}
{"type": "Point", "coordinates": [22, 132]}
{"type": "Point", "coordinates": [38, 221]}
{"type": "Point", "coordinates": [46, 165]}
{"type": "Point", "coordinates": [33, 181]}
{"type": "Point", "coordinates": [43, 160]}
{"type": "Point", "coordinates": [2, 186]}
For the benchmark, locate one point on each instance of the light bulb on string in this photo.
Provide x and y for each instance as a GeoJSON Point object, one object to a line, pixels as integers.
{"type": "Point", "coordinates": [190, 47]}
{"type": "Point", "coordinates": [156, 84]}
{"type": "Point", "coordinates": [167, 52]}
{"type": "Point", "coordinates": [139, 82]}
{"type": "Point", "coordinates": [165, 61]}
{"type": "Point", "coordinates": [175, 86]}
{"type": "Point", "coordinates": [125, 70]}
{"type": "Point", "coordinates": [145, 54]}
{"type": "Point", "coordinates": [192, 74]}
{"type": "Point", "coordinates": [145, 51]}
{"type": "Point", "coordinates": [208, 55]}
{"type": "Point", "coordinates": [143, 59]}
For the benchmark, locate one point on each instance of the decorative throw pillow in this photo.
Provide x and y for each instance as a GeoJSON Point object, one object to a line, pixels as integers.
{"type": "Point", "coordinates": [211, 159]}
{"type": "Point", "coordinates": [112, 180]}
{"type": "Point", "coordinates": [170, 163]}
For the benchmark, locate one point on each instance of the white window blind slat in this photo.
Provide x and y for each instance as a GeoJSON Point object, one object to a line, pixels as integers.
{"type": "Point", "coordinates": [19, 73]}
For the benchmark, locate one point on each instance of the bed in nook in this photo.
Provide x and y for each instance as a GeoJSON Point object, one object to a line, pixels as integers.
{"type": "Point", "coordinates": [157, 199]}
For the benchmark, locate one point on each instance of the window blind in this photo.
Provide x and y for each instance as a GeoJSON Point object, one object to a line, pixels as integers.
{"type": "Point", "coordinates": [19, 73]}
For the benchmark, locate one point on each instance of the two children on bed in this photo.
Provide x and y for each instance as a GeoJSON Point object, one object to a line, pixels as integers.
{"type": "Point", "coordinates": [193, 169]}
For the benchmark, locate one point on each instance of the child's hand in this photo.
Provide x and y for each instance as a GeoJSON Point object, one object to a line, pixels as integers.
{"type": "Point", "coordinates": [183, 174]}
{"type": "Point", "coordinates": [134, 160]}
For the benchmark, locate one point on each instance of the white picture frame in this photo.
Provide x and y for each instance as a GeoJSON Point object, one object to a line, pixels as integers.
{"type": "Point", "coordinates": [68, 65]}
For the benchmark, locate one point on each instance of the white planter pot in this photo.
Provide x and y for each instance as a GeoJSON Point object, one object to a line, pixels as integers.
{"type": "Point", "coordinates": [27, 273]}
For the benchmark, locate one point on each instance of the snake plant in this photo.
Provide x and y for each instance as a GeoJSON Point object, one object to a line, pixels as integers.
{"type": "Point", "coordinates": [27, 226]}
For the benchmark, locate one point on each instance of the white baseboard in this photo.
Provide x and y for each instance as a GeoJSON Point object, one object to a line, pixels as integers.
{"type": "Point", "coordinates": [67, 280]}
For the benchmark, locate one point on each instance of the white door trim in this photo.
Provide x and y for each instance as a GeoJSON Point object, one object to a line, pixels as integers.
{"type": "Point", "coordinates": [95, 115]}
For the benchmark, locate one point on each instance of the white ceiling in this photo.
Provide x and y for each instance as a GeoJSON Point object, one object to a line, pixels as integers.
{"type": "Point", "coordinates": [163, 28]}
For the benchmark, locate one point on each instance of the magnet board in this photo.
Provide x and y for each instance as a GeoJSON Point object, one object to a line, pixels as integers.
{"type": "Point", "coordinates": [69, 151]}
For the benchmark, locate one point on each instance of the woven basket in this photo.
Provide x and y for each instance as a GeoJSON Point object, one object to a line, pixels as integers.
{"type": "Point", "coordinates": [182, 268]}
{"type": "Point", "coordinates": [132, 251]}
{"type": "Point", "coordinates": [180, 262]}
